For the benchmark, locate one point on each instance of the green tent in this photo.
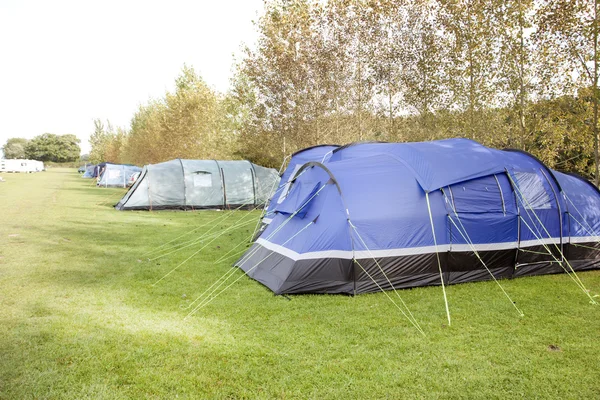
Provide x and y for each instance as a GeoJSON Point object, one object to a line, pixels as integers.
{"type": "Point", "coordinates": [197, 184]}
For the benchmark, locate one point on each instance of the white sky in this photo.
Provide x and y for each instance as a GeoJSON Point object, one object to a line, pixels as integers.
{"type": "Point", "coordinates": [64, 63]}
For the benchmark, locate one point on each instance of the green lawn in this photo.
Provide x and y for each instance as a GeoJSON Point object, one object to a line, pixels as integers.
{"type": "Point", "coordinates": [79, 318]}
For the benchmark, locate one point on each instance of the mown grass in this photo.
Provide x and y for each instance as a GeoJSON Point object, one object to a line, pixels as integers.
{"type": "Point", "coordinates": [79, 318]}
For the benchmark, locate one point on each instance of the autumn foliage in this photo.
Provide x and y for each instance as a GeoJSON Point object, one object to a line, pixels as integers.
{"type": "Point", "coordinates": [507, 73]}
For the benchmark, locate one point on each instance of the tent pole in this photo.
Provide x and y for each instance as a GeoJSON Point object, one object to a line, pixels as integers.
{"type": "Point", "coordinates": [253, 183]}
{"type": "Point", "coordinates": [224, 191]}
{"type": "Point", "coordinates": [148, 183]}
{"type": "Point", "coordinates": [184, 185]}
{"type": "Point", "coordinates": [560, 214]}
{"type": "Point", "coordinates": [437, 254]}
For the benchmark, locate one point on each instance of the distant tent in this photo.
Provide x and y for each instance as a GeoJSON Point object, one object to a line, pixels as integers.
{"type": "Point", "coordinates": [195, 184]}
{"type": "Point", "coordinates": [116, 175]}
{"type": "Point", "coordinates": [89, 171]}
{"type": "Point", "coordinates": [377, 216]}
{"type": "Point", "coordinates": [98, 169]}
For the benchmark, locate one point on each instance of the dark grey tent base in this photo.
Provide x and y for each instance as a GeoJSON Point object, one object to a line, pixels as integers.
{"type": "Point", "coordinates": [333, 275]}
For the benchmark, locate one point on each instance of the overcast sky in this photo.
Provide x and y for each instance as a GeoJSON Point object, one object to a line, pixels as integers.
{"type": "Point", "coordinates": [64, 63]}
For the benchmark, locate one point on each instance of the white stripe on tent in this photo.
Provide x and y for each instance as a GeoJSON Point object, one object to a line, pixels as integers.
{"type": "Point", "coordinates": [584, 239]}
{"type": "Point", "coordinates": [539, 242]}
{"type": "Point", "coordinates": [364, 254]}
{"type": "Point", "coordinates": [484, 246]}
{"type": "Point", "coordinates": [566, 239]}
{"type": "Point", "coordinates": [411, 251]}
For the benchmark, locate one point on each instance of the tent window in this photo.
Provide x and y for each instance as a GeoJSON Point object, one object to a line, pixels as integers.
{"type": "Point", "coordinates": [532, 189]}
{"type": "Point", "coordinates": [202, 179]}
{"type": "Point", "coordinates": [114, 173]}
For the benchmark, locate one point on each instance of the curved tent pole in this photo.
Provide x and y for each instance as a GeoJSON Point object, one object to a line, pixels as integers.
{"type": "Point", "coordinates": [518, 208]}
{"type": "Point", "coordinates": [320, 165]}
{"type": "Point", "coordinates": [149, 187]}
{"type": "Point", "coordinates": [184, 185]}
{"type": "Point", "coordinates": [254, 181]}
{"type": "Point", "coordinates": [222, 183]}
{"type": "Point", "coordinates": [329, 153]}
{"type": "Point", "coordinates": [340, 148]}
{"type": "Point", "coordinates": [311, 147]}
{"type": "Point", "coordinates": [526, 153]}
{"type": "Point", "coordinates": [560, 216]}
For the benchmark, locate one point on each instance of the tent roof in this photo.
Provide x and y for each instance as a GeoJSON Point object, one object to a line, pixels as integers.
{"type": "Point", "coordinates": [434, 164]}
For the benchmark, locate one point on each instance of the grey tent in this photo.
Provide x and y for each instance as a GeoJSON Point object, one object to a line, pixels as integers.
{"type": "Point", "coordinates": [196, 184]}
{"type": "Point", "coordinates": [115, 175]}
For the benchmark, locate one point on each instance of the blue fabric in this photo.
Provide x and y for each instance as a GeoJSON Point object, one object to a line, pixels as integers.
{"type": "Point", "coordinates": [299, 199]}
{"type": "Point", "coordinates": [429, 161]}
{"type": "Point", "coordinates": [89, 171]}
{"type": "Point", "coordinates": [381, 188]}
{"type": "Point", "coordinates": [296, 161]}
{"type": "Point", "coordinates": [582, 204]}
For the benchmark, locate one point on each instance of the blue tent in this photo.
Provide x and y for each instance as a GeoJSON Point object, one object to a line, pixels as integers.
{"type": "Point", "coordinates": [115, 175]}
{"type": "Point", "coordinates": [376, 216]}
{"type": "Point", "coordinates": [97, 171]}
{"type": "Point", "coordinates": [89, 171]}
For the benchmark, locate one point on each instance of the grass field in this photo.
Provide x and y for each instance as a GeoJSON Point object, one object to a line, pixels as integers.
{"type": "Point", "coordinates": [79, 318]}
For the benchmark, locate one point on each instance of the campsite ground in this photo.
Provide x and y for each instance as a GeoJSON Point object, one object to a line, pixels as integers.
{"type": "Point", "coordinates": [79, 318]}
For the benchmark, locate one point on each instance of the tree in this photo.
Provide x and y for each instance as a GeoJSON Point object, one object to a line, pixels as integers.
{"type": "Point", "coordinates": [568, 35]}
{"type": "Point", "coordinates": [14, 148]}
{"type": "Point", "coordinates": [471, 28]}
{"type": "Point", "coordinates": [98, 142]}
{"type": "Point", "coordinates": [51, 147]}
{"type": "Point", "coordinates": [517, 62]}
{"type": "Point", "coordinates": [425, 54]}
{"type": "Point", "coordinates": [191, 124]}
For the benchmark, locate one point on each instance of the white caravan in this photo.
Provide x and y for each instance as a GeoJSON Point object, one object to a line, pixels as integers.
{"type": "Point", "coordinates": [21, 166]}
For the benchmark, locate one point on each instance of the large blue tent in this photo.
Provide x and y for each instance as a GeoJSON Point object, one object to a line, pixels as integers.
{"type": "Point", "coordinates": [376, 216]}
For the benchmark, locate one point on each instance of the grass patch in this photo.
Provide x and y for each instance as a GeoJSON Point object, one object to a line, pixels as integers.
{"type": "Point", "coordinates": [79, 318]}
